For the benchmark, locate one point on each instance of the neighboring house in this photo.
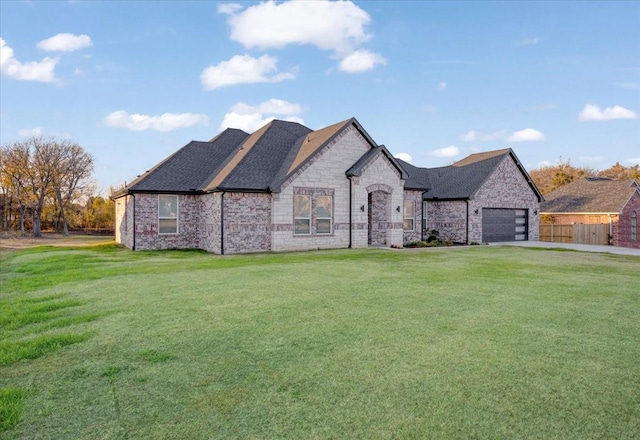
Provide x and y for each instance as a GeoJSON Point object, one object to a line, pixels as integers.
{"type": "Point", "coordinates": [287, 187]}
{"type": "Point", "coordinates": [485, 197]}
{"type": "Point", "coordinates": [597, 200]}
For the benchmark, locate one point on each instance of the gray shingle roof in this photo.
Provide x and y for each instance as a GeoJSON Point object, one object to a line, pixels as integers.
{"type": "Point", "coordinates": [460, 182]}
{"type": "Point", "coordinates": [190, 167]}
{"type": "Point", "coordinates": [416, 178]}
{"type": "Point", "coordinates": [464, 178]}
{"type": "Point", "coordinates": [260, 167]}
{"type": "Point", "coordinates": [589, 194]}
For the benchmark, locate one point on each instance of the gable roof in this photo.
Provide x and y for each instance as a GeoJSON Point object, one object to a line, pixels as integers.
{"type": "Point", "coordinates": [462, 179]}
{"type": "Point", "coordinates": [238, 161]}
{"type": "Point", "coordinates": [258, 160]}
{"type": "Point", "coordinates": [361, 164]}
{"type": "Point", "coordinates": [591, 195]}
{"type": "Point", "coordinates": [189, 168]}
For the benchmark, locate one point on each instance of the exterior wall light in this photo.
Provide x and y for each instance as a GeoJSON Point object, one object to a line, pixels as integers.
{"type": "Point", "coordinates": [398, 209]}
{"type": "Point", "coordinates": [362, 208]}
{"type": "Point", "coordinates": [476, 211]}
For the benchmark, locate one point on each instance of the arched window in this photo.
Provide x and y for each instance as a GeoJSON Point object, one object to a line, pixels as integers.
{"type": "Point", "coordinates": [634, 221]}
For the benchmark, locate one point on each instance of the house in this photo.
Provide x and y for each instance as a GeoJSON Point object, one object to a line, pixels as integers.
{"type": "Point", "coordinates": [287, 187]}
{"type": "Point", "coordinates": [485, 197]}
{"type": "Point", "coordinates": [597, 200]}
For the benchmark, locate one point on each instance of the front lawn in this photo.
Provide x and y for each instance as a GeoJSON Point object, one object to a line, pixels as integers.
{"type": "Point", "coordinates": [480, 342]}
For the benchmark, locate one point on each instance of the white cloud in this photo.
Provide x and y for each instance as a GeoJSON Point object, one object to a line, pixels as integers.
{"type": "Point", "coordinates": [338, 27]}
{"type": "Point", "coordinates": [361, 61]}
{"type": "Point", "coordinates": [449, 151]}
{"type": "Point", "coordinates": [244, 69]}
{"type": "Point", "coordinates": [164, 122]}
{"type": "Point", "coordinates": [30, 71]}
{"type": "Point", "coordinates": [531, 41]}
{"type": "Point", "coordinates": [251, 117]}
{"type": "Point", "coordinates": [476, 136]}
{"type": "Point", "coordinates": [442, 85]}
{"type": "Point", "coordinates": [30, 132]}
{"type": "Point", "coordinates": [65, 43]}
{"type": "Point", "coordinates": [592, 112]}
{"type": "Point", "coordinates": [404, 156]}
{"type": "Point", "coordinates": [528, 134]}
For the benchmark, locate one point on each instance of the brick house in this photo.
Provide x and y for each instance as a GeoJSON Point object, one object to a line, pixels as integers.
{"type": "Point", "coordinates": [597, 200]}
{"type": "Point", "coordinates": [286, 187]}
{"type": "Point", "coordinates": [485, 197]}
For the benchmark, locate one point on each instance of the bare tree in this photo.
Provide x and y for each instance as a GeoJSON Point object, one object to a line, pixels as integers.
{"type": "Point", "coordinates": [76, 167]}
{"type": "Point", "coordinates": [39, 169]}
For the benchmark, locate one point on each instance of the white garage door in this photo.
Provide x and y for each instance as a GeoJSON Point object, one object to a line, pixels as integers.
{"type": "Point", "coordinates": [504, 225]}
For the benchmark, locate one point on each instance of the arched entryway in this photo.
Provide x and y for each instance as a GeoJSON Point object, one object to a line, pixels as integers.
{"type": "Point", "coordinates": [379, 202]}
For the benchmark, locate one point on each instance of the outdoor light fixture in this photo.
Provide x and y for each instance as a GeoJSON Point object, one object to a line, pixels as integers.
{"type": "Point", "coordinates": [362, 208]}
{"type": "Point", "coordinates": [398, 209]}
{"type": "Point", "coordinates": [535, 212]}
{"type": "Point", "coordinates": [476, 211]}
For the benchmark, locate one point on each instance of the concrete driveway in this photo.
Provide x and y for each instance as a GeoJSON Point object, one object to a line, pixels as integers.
{"type": "Point", "coordinates": [577, 247]}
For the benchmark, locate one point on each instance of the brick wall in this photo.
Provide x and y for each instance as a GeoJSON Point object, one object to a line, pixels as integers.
{"type": "Point", "coordinates": [247, 222]}
{"type": "Point", "coordinates": [449, 218]}
{"type": "Point", "coordinates": [146, 228]}
{"type": "Point", "coordinates": [506, 187]}
{"type": "Point", "coordinates": [416, 234]}
{"type": "Point", "coordinates": [209, 226]}
{"type": "Point", "coordinates": [624, 238]}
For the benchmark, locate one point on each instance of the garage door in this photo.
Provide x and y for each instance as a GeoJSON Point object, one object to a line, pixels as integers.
{"type": "Point", "coordinates": [504, 225]}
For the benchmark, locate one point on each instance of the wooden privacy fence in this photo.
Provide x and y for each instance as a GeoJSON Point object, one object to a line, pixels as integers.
{"type": "Point", "coordinates": [579, 234]}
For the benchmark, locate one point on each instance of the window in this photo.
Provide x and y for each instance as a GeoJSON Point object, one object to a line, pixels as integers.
{"type": "Point", "coordinates": [323, 214]}
{"type": "Point", "coordinates": [409, 215]}
{"type": "Point", "coordinates": [168, 214]}
{"type": "Point", "coordinates": [302, 214]}
{"type": "Point", "coordinates": [633, 226]}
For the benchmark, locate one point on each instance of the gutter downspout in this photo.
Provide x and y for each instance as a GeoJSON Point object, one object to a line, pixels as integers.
{"type": "Point", "coordinates": [350, 211]}
{"type": "Point", "coordinates": [222, 223]}
{"type": "Point", "coordinates": [467, 229]}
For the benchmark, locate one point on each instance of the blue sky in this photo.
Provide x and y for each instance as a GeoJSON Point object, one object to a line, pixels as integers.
{"type": "Point", "coordinates": [434, 81]}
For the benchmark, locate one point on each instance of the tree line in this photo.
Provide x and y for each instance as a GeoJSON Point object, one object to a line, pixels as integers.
{"type": "Point", "coordinates": [551, 177]}
{"type": "Point", "coordinates": [47, 183]}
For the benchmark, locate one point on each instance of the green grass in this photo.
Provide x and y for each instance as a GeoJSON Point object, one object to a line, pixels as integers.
{"type": "Point", "coordinates": [481, 342]}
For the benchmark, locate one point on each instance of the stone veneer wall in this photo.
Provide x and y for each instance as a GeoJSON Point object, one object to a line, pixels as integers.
{"type": "Point", "coordinates": [379, 175]}
{"type": "Point", "coordinates": [505, 188]}
{"type": "Point", "coordinates": [124, 221]}
{"type": "Point", "coordinates": [146, 228]}
{"type": "Point", "coordinates": [624, 238]}
{"type": "Point", "coordinates": [416, 234]}
{"type": "Point", "coordinates": [326, 171]}
{"type": "Point", "coordinates": [247, 222]}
